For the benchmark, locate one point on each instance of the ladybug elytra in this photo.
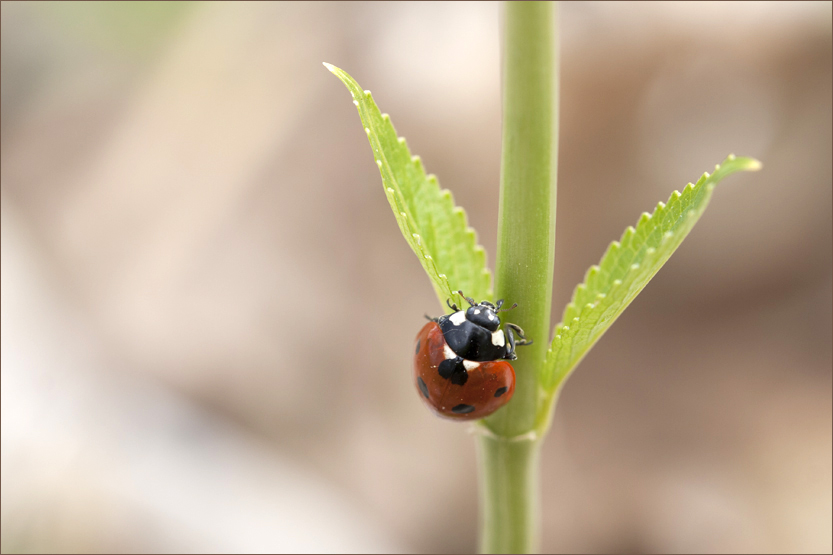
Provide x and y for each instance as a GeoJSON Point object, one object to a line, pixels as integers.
{"type": "Point", "coordinates": [460, 361]}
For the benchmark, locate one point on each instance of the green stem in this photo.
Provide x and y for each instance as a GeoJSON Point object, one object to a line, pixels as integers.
{"type": "Point", "coordinates": [524, 270]}
{"type": "Point", "coordinates": [509, 495]}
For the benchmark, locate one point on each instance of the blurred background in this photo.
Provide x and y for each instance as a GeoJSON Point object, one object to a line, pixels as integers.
{"type": "Point", "coordinates": [208, 309]}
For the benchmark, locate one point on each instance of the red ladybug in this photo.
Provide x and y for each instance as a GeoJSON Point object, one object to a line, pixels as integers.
{"type": "Point", "coordinates": [459, 364]}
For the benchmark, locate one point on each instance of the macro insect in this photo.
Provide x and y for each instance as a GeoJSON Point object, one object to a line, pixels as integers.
{"type": "Point", "coordinates": [460, 361]}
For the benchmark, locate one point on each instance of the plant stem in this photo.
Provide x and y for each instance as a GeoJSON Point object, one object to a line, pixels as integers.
{"type": "Point", "coordinates": [509, 495]}
{"type": "Point", "coordinates": [524, 270]}
{"type": "Point", "coordinates": [526, 222]}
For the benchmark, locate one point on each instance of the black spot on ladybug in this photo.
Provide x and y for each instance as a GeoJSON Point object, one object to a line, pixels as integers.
{"type": "Point", "coordinates": [463, 409]}
{"type": "Point", "coordinates": [501, 391]}
{"type": "Point", "coordinates": [453, 369]}
{"type": "Point", "coordinates": [417, 351]}
{"type": "Point", "coordinates": [422, 387]}
{"type": "Point", "coordinates": [446, 368]}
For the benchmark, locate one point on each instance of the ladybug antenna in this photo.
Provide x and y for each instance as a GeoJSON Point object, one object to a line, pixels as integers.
{"type": "Point", "coordinates": [469, 299]}
{"type": "Point", "coordinates": [500, 303]}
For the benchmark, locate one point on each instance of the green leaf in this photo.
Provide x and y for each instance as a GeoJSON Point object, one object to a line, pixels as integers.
{"type": "Point", "coordinates": [432, 225]}
{"type": "Point", "coordinates": [626, 268]}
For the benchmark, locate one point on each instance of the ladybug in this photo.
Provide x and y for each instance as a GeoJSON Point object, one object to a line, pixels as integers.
{"type": "Point", "coordinates": [460, 362]}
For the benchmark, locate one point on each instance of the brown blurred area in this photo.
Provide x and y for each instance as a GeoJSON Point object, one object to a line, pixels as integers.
{"type": "Point", "coordinates": [208, 310]}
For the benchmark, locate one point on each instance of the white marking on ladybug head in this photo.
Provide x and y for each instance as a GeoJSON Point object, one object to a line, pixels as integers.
{"type": "Point", "coordinates": [498, 339]}
{"type": "Point", "coordinates": [458, 318]}
{"type": "Point", "coordinates": [470, 364]}
{"type": "Point", "coordinates": [477, 311]}
{"type": "Point", "coordinates": [490, 315]}
{"type": "Point", "coordinates": [448, 352]}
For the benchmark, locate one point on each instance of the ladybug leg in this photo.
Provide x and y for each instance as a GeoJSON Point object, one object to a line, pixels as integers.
{"type": "Point", "coordinates": [451, 305]}
{"type": "Point", "coordinates": [510, 347]}
{"type": "Point", "coordinates": [523, 340]}
{"type": "Point", "coordinates": [430, 319]}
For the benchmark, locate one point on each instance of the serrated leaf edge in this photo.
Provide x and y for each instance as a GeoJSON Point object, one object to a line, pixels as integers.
{"type": "Point", "coordinates": [574, 313]}
{"type": "Point", "coordinates": [399, 206]}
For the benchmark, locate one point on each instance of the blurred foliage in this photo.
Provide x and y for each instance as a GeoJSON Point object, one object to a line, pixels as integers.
{"type": "Point", "coordinates": [132, 29]}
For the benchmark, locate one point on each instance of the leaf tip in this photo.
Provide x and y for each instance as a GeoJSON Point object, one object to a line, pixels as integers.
{"type": "Point", "coordinates": [752, 165]}
{"type": "Point", "coordinates": [330, 67]}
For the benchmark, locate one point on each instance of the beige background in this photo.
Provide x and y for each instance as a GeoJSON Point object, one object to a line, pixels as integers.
{"type": "Point", "coordinates": [207, 309]}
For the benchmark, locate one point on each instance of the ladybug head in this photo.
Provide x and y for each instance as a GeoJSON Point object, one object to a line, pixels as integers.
{"type": "Point", "coordinates": [484, 314]}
